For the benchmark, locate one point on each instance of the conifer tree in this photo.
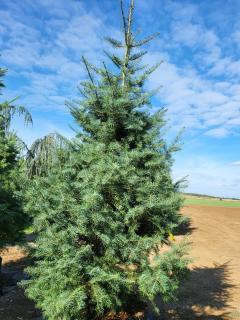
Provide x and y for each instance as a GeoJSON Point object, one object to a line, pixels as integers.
{"type": "Point", "coordinates": [12, 218]}
{"type": "Point", "coordinates": [51, 151]}
{"type": "Point", "coordinates": [104, 220]}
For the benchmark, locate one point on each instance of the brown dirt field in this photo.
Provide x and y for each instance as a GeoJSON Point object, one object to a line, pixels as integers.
{"type": "Point", "coordinates": [212, 291]}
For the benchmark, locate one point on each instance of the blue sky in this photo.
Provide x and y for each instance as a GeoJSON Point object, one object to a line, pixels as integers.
{"type": "Point", "coordinates": [42, 41]}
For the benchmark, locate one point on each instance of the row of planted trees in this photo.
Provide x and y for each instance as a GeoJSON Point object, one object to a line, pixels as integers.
{"type": "Point", "coordinates": [102, 203]}
{"type": "Point", "coordinates": [12, 218]}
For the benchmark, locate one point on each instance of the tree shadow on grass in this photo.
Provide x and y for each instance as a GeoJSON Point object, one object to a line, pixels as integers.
{"type": "Point", "coordinates": [205, 296]}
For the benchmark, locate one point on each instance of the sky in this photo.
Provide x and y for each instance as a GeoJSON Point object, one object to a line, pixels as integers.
{"type": "Point", "coordinates": [42, 42]}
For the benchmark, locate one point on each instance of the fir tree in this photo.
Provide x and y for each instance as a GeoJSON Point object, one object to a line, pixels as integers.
{"type": "Point", "coordinates": [12, 218]}
{"type": "Point", "coordinates": [113, 205]}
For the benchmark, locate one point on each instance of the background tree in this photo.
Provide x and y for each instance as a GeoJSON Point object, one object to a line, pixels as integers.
{"type": "Point", "coordinates": [47, 153]}
{"type": "Point", "coordinates": [12, 218]}
{"type": "Point", "coordinates": [104, 220]}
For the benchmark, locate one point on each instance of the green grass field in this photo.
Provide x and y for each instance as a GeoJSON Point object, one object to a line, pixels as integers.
{"type": "Point", "coordinates": [211, 202]}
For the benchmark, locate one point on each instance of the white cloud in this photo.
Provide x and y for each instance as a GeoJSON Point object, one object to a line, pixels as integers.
{"type": "Point", "coordinates": [208, 176]}
{"type": "Point", "coordinates": [194, 100]}
{"type": "Point", "coordinates": [217, 133]}
{"type": "Point", "coordinates": [187, 33]}
{"type": "Point", "coordinates": [51, 62]}
{"type": "Point", "coordinates": [81, 34]}
{"type": "Point", "coordinates": [236, 36]}
{"type": "Point", "coordinates": [236, 163]}
{"type": "Point", "coordinates": [47, 55]}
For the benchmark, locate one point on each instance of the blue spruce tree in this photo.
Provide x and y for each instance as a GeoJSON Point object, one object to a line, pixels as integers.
{"type": "Point", "coordinates": [113, 204]}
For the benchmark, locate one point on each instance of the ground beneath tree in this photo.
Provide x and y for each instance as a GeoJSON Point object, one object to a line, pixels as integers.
{"type": "Point", "coordinates": [13, 303]}
{"type": "Point", "coordinates": [212, 292]}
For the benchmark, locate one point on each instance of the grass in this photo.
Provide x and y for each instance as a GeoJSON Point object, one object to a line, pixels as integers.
{"type": "Point", "coordinates": [211, 202]}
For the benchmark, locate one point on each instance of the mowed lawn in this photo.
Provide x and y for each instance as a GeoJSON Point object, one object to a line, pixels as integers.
{"type": "Point", "coordinates": [211, 202]}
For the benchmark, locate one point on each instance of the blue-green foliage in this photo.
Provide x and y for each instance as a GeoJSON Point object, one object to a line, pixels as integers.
{"type": "Point", "coordinates": [113, 203]}
{"type": "Point", "coordinates": [12, 218]}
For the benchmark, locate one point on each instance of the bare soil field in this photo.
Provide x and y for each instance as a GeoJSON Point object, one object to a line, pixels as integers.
{"type": "Point", "coordinates": [211, 292]}
{"type": "Point", "coordinates": [213, 289]}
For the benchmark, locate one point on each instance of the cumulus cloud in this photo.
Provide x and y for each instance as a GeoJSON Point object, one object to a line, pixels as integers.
{"type": "Point", "coordinates": [47, 55]}
{"type": "Point", "coordinates": [200, 79]}
{"type": "Point", "coordinates": [194, 101]}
